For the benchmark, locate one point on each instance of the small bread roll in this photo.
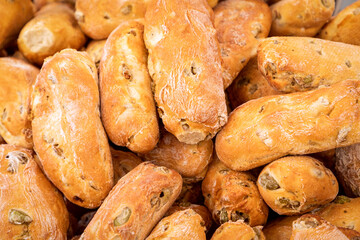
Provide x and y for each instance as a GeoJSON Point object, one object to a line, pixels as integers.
{"type": "Point", "coordinates": [249, 84]}
{"type": "Point", "coordinates": [300, 18]}
{"type": "Point", "coordinates": [281, 61]}
{"type": "Point", "coordinates": [95, 49]}
{"type": "Point", "coordinates": [136, 203]}
{"type": "Point", "coordinates": [238, 231]}
{"type": "Point", "coordinates": [54, 28]}
{"type": "Point", "coordinates": [344, 27]}
{"type": "Point", "coordinates": [181, 225]}
{"type": "Point", "coordinates": [67, 131]}
{"type": "Point", "coordinates": [280, 228]}
{"type": "Point", "coordinates": [16, 80]}
{"type": "Point", "coordinates": [14, 15]}
{"type": "Point", "coordinates": [232, 196]}
{"type": "Point", "coordinates": [127, 104]}
{"type": "Point", "coordinates": [239, 25]}
{"type": "Point", "coordinates": [296, 185]}
{"type": "Point", "coordinates": [185, 65]}
{"type": "Point", "coordinates": [123, 162]}
{"type": "Point", "coordinates": [31, 207]}
{"type": "Point", "coordinates": [347, 165]}
{"type": "Point", "coordinates": [268, 128]}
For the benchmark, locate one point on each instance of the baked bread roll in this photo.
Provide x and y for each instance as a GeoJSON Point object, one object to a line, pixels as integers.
{"type": "Point", "coordinates": [268, 128]}
{"type": "Point", "coordinates": [14, 15]}
{"type": "Point", "coordinates": [232, 196]}
{"type": "Point", "coordinates": [238, 231]}
{"type": "Point", "coordinates": [249, 84]}
{"type": "Point", "coordinates": [181, 225]}
{"type": "Point", "coordinates": [95, 49]}
{"type": "Point", "coordinates": [190, 160]}
{"type": "Point", "coordinates": [280, 228]}
{"type": "Point", "coordinates": [31, 207]}
{"type": "Point", "coordinates": [281, 61]}
{"type": "Point", "coordinates": [127, 105]}
{"type": "Point", "coordinates": [296, 185]}
{"type": "Point", "coordinates": [347, 165]}
{"type": "Point", "coordinates": [344, 27]}
{"type": "Point", "coordinates": [52, 29]}
{"type": "Point", "coordinates": [300, 18]}
{"type": "Point", "coordinates": [16, 80]}
{"type": "Point", "coordinates": [239, 25]}
{"type": "Point", "coordinates": [123, 162]}
{"type": "Point", "coordinates": [68, 134]}
{"type": "Point", "coordinates": [190, 193]}
{"type": "Point", "coordinates": [136, 203]}
{"type": "Point", "coordinates": [185, 65]}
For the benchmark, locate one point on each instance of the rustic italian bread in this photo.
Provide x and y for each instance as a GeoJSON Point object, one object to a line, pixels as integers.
{"type": "Point", "coordinates": [16, 80]}
{"type": "Point", "coordinates": [344, 27]}
{"type": "Point", "coordinates": [95, 50]}
{"type": "Point", "coordinates": [190, 193]}
{"type": "Point", "coordinates": [238, 231]}
{"type": "Point", "coordinates": [123, 162]}
{"type": "Point", "coordinates": [239, 25]}
{"type": "Point", "coordinates": [41, 3]}
{"type": "Point", "coordinates": [181, 225]}
{"type": "Point", "coordinates": [31, 207]}
{"type": "Point", "coordinates": [14, 15]}
{"type": "Point", "coordinates": [127, 105]}
{"type": "Point", "coordinates": [347, 165]}
{"type": "Point", "coordinates": [52, 29]}
{"type": "Point", "coordinates": [67, 131]}
{"type": "Point", "coordinates": [136, 203]}
{"type": "Point", "coordinates": [296, 185]}
{"type": "Point", "coordinates": [249, 84]}
{"type": "Point", "coordinates": [281, 61]}
{"type": "Point", "coordinates": [280, 228]}
{"type": "Point", "coordinates": [190, 160]}
{"type": "Point", "coordinates": [188, 85]}
{"type": "Point", "coordinates": [232, 196]}
{"type": "Point", "coordinates": [300, 18]}
{"type": "Point", "coordinates": [268, 128]}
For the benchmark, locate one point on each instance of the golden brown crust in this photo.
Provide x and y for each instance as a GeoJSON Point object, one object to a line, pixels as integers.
{"type": "Point", "coordinates": [238, 231]}
{"type": "Point", "coordinates": [249, 84]}
{"type": "Point", "coordinates": [190, 160]}
{"type": "Point", "coordinates": [98, 18]}
{"type": "Point", "coordinates": [239, 25]}
{"type": "Point", "coordinates": [14, 15]}
{"type": "Point", "coordinates": [344, 27]}
{"type": "Point", "coordinates": [300, 18]}
{"type": "Point", "coordinates": [268, 128]}
{"type": "Point", "coordinates": [67, 131]}
{"type": "Point", "coordinates": [31, 207]}
{"type": "Point", "coordinates": [212, 3]}
{"type": "Point", "coordinates": [95, 50]}
{"type": "Point", "coordinates": [135, 204]}
{"type": "Point", "coordinates": [127, 105]}
{"type": "Point", "coordinates": [231, 196]}
{"type": "Point", "coordinates": [123, 162]}
{"type": "Point", "coordinates": [16, 80]}
{"type": "Point", "coordinates": [187, 73]}
{"type": "Point", "coordinates": [347, 167]}
{"type": "Point", "coordinates": [281, 61]}
{"type": "Point", "coordinates": [296, 185]}
{"type": "Point", "coordinates": [54, 28]}
{"type": "Point", "coordinates": [41, 3]}
{"type": "Point", "coordinates": [181, 225]}
{"type": "Point", "coordinates": [280, 228]}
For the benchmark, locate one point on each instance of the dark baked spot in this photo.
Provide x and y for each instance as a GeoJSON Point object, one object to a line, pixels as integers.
{"type": "Point", "coordinates": [253, 88]}
{"type": "Point", "coordinates": [348, 63]}
{"type": "Point", "coordinates": [4, 115]}
{"type": "Point", "coordinates": [78, 199]}
{"type": "Point", "coordinates": [58, 150]}
{"type": "Point", "coordinates": [132, 32]}
{"type": "Point", "coordinates": [126, 72]}
{"type": "Point", "coordinates": [126, 9]}
{"type": "Point", "coordinates": [106, 16]}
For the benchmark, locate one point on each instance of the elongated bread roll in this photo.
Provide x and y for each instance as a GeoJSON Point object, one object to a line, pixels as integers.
{"type": "Point", "coordinates": [184, 63]}
{"type": "Point", "coordinates": [268, 128]}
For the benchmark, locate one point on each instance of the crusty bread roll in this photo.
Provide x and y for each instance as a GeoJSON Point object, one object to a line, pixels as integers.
{"type": "Point", "coordinates": [16, 80]}
{"type": "Point", "coordinates": [185, 65]}
{"type": "Point", "coordinates": [300, 18]}
{"type": "Point", "coordinates": [345, 26]}
{"type": "Point", "coordinates": [123, 162]}
{"type": "Point", "coordinates": [95, 49]}
{"type": "Point", "coordinates": [181, 225]}
{"type": "Point", "coordinates": [127, 104]}
{"type": "Point", "coordinates": [31, 207]}
{"type": "Point", "coordinates": [136, 203]}
{"type": "Point", "coordinates": [52, 29]}
{"type": "Point", "coordinates": [239, 25]}
{"type": "Point", "coordinates": [238, 231]}
{"type": "Point", "coordinates": [281, 60]}
{"type": "Point", "coordinates": [268, 128]}
{"type": "Point", "coordinates": [280, 228]}
{"type": "Point", "coordinates": [296, 185]}
{"type": "Point", "coordinates": [67, 131]}
{"type": "Point", "coordinates": [232, 196]}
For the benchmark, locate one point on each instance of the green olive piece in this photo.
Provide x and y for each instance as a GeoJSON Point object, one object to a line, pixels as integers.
{"type": "Point", "coordinates": [123, 217]}
{"type": "Point", "coordinates": [19, 217]}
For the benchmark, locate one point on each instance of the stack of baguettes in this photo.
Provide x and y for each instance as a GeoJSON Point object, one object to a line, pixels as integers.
{"type": "Point", "coordinates": [179, 119]}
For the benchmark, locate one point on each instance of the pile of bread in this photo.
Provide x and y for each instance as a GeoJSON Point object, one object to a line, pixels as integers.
{"type": "Point", "coordinates": [179, 119]}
